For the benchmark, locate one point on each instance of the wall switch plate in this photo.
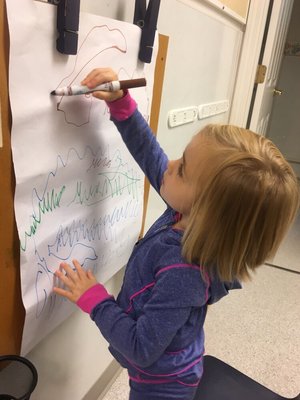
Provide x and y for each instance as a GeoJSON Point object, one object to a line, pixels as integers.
{"type": "Point", "coordinates": [182, 116]}
{"type": "Point", "coordinates": [210, 109]}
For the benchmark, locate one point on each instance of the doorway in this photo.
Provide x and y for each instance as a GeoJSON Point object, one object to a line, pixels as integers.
{"type": "Point", "coordinates": [284, 125]}
{"type": "Point", "coordinates": [276, 104]}
{"type": "Point", "coordinates": [284, 128]}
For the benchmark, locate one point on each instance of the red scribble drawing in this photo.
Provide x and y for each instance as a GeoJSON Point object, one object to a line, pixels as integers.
{"type": "Point", "coordinates": [76, 111]}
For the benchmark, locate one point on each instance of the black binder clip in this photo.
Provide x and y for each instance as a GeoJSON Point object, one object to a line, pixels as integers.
{"type": "Point", "coordinates": [146, 19]}
{"type": "Point", "coordinates": [67, 26]}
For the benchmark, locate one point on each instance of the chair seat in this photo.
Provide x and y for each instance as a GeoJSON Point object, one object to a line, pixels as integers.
{"type": "Point", "coordinates": [220, 381]}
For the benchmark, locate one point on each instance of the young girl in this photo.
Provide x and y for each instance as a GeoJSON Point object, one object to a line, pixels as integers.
{"type": "Point", "coordinates": [230, 199]}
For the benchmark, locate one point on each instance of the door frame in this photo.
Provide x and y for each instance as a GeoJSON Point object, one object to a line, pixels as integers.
{"type": "Point", "coordinates": [249, 57]}
{"type": "Point", "coordinates": [271, 56]}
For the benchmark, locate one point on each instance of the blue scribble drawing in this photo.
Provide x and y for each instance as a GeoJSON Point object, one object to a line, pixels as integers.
{"type": "Point", "coordinates": [78, 251]}
{"type": "Point", "coordinates": [46, 299]}
{"type": "Point", "coordinates": [101, 177]}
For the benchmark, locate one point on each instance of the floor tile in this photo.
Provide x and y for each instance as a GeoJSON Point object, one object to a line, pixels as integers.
{"type": "Point", "coordinates": [288, 255]}
{"type": "Point", "coordinates": [257, 330]}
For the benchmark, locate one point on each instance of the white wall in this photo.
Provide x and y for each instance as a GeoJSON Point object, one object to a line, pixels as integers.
{"type": "Point", "coordinates": [202, 60]}
{"type": "Point", "coordinates": [72, 358]}
{"type": "Point", "coordinates": [201, 67]}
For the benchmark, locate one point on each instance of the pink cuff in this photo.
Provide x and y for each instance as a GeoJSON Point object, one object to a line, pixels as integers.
{"type": "Point", "coordinates": [93, 296]}
{"type": "Point", "coordinates": [123, 108]}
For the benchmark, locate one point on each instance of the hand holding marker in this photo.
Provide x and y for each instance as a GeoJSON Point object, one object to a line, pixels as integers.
{"type": "Point", "coordinates": [112, 86]}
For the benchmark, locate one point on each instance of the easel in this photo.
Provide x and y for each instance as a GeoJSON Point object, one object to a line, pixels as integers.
{"type": "Point", "coordinates": [11, 307]}
{"type": "Point", "coordinates": [12, 312]}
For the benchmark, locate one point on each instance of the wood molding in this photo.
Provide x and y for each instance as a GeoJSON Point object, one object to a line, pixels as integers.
{"type": "Point", "coordinates": [155, 106]}
{"type": "Point", "coordinates": [12, 312]}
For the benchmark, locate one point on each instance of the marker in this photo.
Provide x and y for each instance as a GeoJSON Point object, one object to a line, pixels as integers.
{"type": "Point", "coordinates": [113, 86]}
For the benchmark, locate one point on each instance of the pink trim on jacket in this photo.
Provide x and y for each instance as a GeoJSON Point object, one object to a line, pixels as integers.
{"type": "Point", "coordinates": [122, 108]}
{"type": "Point", "coordinates": [93, 296]}
{"type": "Point", "coordinates": [207, 280]}
{"type": "Point", "coordinates": [137, 293]}
{"type": "Point", "coordinates": [165, 375]}
{"type": "Point", "coordinates": [138, 379]}
{"type": "Point", "coordinates": [178, 266]}
{"type": "Point", "coordinates": [174, 352]}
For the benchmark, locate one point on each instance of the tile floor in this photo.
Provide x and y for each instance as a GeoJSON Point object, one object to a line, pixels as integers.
{"type": "Point", "coordinates": [256, 329]}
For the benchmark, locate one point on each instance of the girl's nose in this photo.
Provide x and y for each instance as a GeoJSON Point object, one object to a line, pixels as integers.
{"type": "Point", "coordinates": [170, 167]}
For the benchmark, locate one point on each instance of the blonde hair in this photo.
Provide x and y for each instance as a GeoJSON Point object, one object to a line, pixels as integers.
{"type": "Point", "coordinates": [244, 207]}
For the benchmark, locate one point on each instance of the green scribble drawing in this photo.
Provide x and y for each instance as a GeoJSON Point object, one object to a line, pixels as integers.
{"type": "Point", "coordinates": [50, 202]}
{"type": "Point", "coordinates": [109, 188]}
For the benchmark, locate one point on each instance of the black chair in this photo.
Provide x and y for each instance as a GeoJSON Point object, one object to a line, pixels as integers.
{"type": "Point", "coordinates": [220, 381]}
{"type": "Point", "coordinates": [18, 378]}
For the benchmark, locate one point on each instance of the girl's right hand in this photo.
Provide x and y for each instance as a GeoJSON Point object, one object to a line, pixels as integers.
{"type": "Point", "coordinates": [97, 77]}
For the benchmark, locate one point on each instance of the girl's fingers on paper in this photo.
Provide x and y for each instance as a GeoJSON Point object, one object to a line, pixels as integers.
{"type": "Point", "coordinates": [70, 272]}
{"type": "Point", "coordinates": [67, 275]}
{"type": "Point", "coordinates": [81, 272]}
{"type": "Point", "coordinates": [91, 275]}
{"type": "Point", "coordinates": [64, 279]}
{"type": "Point", "coordinates": [73, 288]}
{"type": "Point", "coordinates": [64, 293]}
{"type": "Point", "coordinates": [70, 291]}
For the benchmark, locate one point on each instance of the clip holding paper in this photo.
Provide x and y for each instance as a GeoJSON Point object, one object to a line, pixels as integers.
{"type": "Point", "coordinates": [67, 26]}
{"type": "Point", "coordinates": [146, 19]}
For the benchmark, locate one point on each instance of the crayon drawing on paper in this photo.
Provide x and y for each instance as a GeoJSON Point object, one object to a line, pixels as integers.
{"type": "Point", "coordinates": [79, 193]}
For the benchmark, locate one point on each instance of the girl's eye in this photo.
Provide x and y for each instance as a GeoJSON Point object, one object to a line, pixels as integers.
{"type": "Point", "coordinates": [180, 168]}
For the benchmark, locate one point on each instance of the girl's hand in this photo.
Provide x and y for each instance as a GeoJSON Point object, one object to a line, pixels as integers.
{"type": "Point", "coordinates": [99, 76]}
{"type": "Point", "coordinates": [77, 282]}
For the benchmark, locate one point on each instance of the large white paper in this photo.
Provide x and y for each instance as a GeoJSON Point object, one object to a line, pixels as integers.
{"type": "Point", "coordinates": [79, 193]}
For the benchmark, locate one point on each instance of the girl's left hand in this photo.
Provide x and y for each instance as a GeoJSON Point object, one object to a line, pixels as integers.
{"type": "Point", "coordinates": [77, 281]}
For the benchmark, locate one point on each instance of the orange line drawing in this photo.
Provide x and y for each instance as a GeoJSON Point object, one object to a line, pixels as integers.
{"type": "Point", "coordinates": [77, 109]}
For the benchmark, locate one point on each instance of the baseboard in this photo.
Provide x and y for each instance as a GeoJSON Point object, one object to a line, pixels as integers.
{"type": "Point", "coordinates": [103, 384]}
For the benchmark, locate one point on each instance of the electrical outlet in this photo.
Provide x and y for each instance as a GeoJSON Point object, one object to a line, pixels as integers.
{"type": "Point", "coordinates": [210, 109]}
{"type": "Point", "coordinates": [182, 116]}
